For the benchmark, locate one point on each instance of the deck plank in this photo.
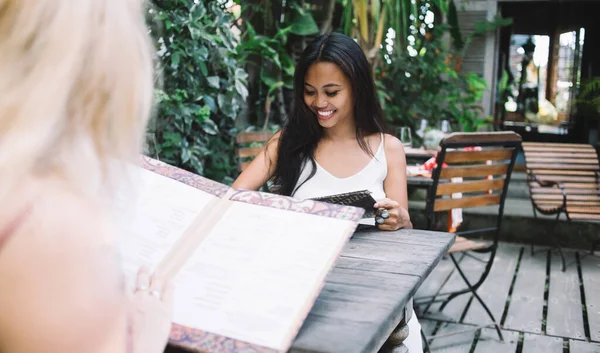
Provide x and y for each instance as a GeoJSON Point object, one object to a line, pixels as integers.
{"type": "Point", "coordinates": [489, 341]}
{"type": "Point", "coordinates": [542, 344]}
{"type": "Point", "coordinates": [583, 347]}
{"type": "Point", "coordinates": [590, 270]}
{"type": "Point", "coordinates": [494, 291]}
{"type": "Point", "coordinates": [458, 343]}
{"type": "Point", "coordinates": [525, 312]}
{"type": "Point", "coordinates": [565, 315]}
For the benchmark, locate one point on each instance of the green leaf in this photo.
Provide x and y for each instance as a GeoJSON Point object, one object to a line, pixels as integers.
{"type": "Point", "coordinates": [210, 127]}
{"type": "Point", "coordinates": [203, 113]}
{"type": "Point", "coordinates": [175, 58]}
{"type": "Point", "coordinates": [457, 40]}
{"type": "Point", "coordinates": [288, 64]}
{"type": "Point", "coordinates": [303, 24]}
{"type": "Point", "coordinates": [240, 74]}
{"type": "Point", "coordinates": [241, 89]}
{"type": "Point", "coordinates": [172, 138]}
{"type": "Point", "coordinates": [185, 155]}
{"type": "Point", "coordinates": [267, 78]}
{"type": "Point", "coordinates": [226, 106]}
{"type": "Point", "coordinates": [202, 53]}
{"type": "Point", "coordinates": [210, 102]}
{"type": "Point", "coordinates": [203, 68]}
{"type": "Point", "coordinates": [274, 87]}
{"type": "Point", "coordinates": [213, 81]}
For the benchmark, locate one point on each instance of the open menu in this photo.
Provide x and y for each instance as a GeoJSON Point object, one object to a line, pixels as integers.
{"type": "Point", "coordinates": [247, 265]}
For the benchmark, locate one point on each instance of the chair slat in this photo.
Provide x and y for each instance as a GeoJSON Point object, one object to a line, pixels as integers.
{"type": "Point", "coordinates": [249, 137]}
{"type": "Point", "coordinates": [570, 191]}
{"type": "Point", "coordinates": [465, 245]}
{"type": "Point", "coordinates": [589, 210]}
{"type": "Point", "coordinates": [559, 155]}
{"type": "Point", "coordinates": [555, 203]}
{"type": "Point", "coordinates": [469, 186]}
{"type": "Point", "coordinates": [561, 178]}
{"type": "Point", "coordinates": [561, 166]}
{"type": "Point", "coordinates": [477, 156]}
{"type": "Point", "coordinates": [243, 165]}
{"type": "Point", "coordinates": [568, 161]}
{"type": "Point", "coordinates": [563, 172]}
{"type": "Point", "coordinates": [245, 152]}
{"type": "Point", "coordinates": [585, 216]}
{"type": "Point", "coordinates": [466, 202]}
{"type": "Point", "coordinates": [587, 149]}
{"type": "Point", "coordinates": [546, 144]}
{"type": "Point", "coordinates": [569, 197]}
{"type": "Point", "coordinates": [568, 185]}
{"type": "Point", "coordinates": [473, 171]}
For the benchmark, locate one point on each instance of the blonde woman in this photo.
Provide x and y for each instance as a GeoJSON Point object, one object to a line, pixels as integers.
{"type": "Point", "coordinates": [75, 91]}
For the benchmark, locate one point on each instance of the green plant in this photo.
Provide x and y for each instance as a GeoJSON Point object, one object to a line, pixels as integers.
{"type": "Point", "coordinates": [589, 98]}
{"type": "Point", "coordinates": [267, 26]}
{"type": "Point", "coordinates": [203, 89]}
{"type": "Point", "coordinates": [426, 81]}
{"type": "Point", "coordinates": [430, 86]}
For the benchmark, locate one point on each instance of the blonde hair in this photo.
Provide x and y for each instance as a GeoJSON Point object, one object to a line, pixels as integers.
{"type": "Point", "coordinates": [75, 88]}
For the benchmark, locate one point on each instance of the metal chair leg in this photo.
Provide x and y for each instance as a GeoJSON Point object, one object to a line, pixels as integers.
{"type": "Point", "coordinates": [426, 348]}
{"type": "Point", "coordinates": [473, 290]}
{"type": "Point", "coordinates": [557, 243]}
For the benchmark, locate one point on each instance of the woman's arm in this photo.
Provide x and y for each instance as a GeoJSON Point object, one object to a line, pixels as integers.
{"type": "Point", "coordinates": [262, 167]}
{"type": "Point", "coordinates": [394, 186]}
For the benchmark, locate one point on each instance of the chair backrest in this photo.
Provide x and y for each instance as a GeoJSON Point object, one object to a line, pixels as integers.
{"type": "Point", "coordinates": [483, 161]}
{"type": "Point", "coordinates": [574, 166]}
{"type": "Point", "coordinates": [248, 145]}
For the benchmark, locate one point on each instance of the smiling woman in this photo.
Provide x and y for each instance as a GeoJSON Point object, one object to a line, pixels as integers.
{"type": "Point", "coordinates": [334, 141]}
{"type": "Point", "coordinates": [328, 93]}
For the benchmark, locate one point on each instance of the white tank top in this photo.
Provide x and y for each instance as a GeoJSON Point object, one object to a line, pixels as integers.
{"type": "Point", "coordinates": [323, 183]}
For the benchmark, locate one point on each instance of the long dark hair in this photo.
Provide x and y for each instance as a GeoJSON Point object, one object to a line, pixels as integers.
{"type": "Point", "coordinates": [302, 132]}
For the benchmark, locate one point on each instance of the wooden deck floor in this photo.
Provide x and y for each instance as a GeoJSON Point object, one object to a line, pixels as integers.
{"type": "Point", "coordinates": [540, 308]}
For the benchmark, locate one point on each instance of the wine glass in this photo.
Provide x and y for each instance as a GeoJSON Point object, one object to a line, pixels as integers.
{"type": "Point", "coordinates": [406, 136]}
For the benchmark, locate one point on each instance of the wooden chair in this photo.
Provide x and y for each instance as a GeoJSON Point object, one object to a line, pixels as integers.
{"type": "Point", "coordinates": [563, 178]}
{"type": "Point", "coordinates": [248, 145]}
{"type": "Point", "coordinates": [485, 174]}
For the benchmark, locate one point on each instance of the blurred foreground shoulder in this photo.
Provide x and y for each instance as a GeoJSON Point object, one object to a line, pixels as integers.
{"type": "Point", "coordinates": [66, 292]}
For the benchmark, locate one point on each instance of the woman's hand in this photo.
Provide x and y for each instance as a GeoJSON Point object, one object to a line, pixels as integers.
{"type": "Point", "coordinates": [153, 305]}
{"type": "Point", "coordinates": [391, 216]}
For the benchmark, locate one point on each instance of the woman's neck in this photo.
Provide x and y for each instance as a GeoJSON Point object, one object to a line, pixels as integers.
{"type": "Point", "coordinates": [340, 133]}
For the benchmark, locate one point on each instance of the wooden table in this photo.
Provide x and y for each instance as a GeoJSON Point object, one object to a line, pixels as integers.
{"type": "Point", "coordinates": [418, 153]}
{"type": "Point", "coordinates": [365, 294]}
{"type": "Point", "coordinates": [419, 181]}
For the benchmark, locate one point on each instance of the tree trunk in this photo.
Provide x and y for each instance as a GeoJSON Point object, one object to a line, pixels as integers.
{"type": "Point", "coordinates": [327, 25]}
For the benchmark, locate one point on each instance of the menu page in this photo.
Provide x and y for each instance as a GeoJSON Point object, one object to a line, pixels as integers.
{"type": "Point", "coordinates": [152, 216]}
{"type": "Point", "coordinates": [257, 273]}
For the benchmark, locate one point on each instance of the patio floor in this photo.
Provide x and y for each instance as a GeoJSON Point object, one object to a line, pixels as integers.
{"type": "Point", "coordinates": [540, 308]}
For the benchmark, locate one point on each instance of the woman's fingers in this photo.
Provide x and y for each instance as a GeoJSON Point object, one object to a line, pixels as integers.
{"type": "Point", "coordinates": [142, 281]}
{"type": "Point", "coordinates": [387, 204]}
{"type": "Point", "coordinates": [167, 294]}
{"type": "Point", "coordinates": [157, 284]}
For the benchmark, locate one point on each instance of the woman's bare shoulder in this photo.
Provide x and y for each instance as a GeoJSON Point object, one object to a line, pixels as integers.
{"type": "Point", "coordinates": [393, 145]}
{"type": "Point", "coordinates": [63, 276]}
